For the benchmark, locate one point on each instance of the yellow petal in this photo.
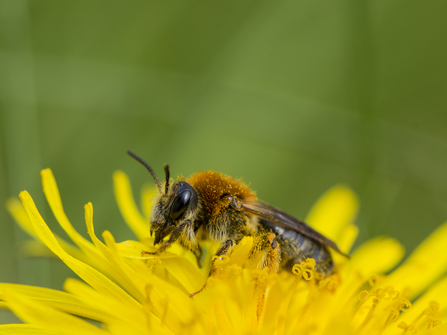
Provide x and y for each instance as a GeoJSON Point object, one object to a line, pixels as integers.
{"type": "Point", "coordinates": [89, 274]}
{"type": "Point", "coordinates": [148, 193]}
{"type": "Point", "coordinates": [437, 293]}
{"type": "Point", "coordinates": [56, 299]}
{"type": "Point", "coordinates": [33, 248]}
{"type": "Point", "coordinates": [26, 329]}
{"type": "Point", "coordinates": [439, 330]}
{"type": "Point", "coordinates": [136, 272]}
{"type": "Point", "coordinates": [114, 263]}
{"type": "Point", "coordinates": [54, 200]}
{"type": "Point", "coordinates": [126, 203]}
{"type": "Point", "coordinates": [133, 249]}
{"type": "Point", "coordinates": [378, 255]}
{"type": "Point", "coordinates": [114, 312]}
{"type": "Point", "coordinates": [223, 321]}
{"type": "Point", "coordinates": [15, 208]}
{"type": "Point", "coordinates": [347, 237]}
{"type": "Point", "coordinates": [41, 315]}
{"type": "Point", "coordinates": [185, 272]}
{"type": "Point", "coordinates": [170, 304]}
{"type": "Point", "coordinates": [241, 252]}
{"type": "Point", "coordinates": [426, 264]}
{"type": "Point", "coordinates": [334, 210]}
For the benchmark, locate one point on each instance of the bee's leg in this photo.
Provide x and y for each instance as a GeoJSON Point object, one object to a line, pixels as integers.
{"type": "Point", "coordinates": [267, 244]}
{"type": "Point", "coordinates": [223, 250]}
{"type": "Point", "coordinates": [272, 252]}
{"type": "Point", "coordinates": [198, 253]}
{"type": "Point", "coordinates": [176, 233]}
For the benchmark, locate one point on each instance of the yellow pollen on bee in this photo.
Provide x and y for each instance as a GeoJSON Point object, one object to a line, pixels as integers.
{"type": "Point", "coordinates": [212, 186]}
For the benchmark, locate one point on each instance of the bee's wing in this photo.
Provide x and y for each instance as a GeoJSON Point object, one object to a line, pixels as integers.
{"type": "Point", "coordinates": [275, 215]}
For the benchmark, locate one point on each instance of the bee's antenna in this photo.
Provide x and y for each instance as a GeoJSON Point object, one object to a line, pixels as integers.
{"type": "Point", "coordinates": [167, 178]}
{"type": "Point", "coordinates": [147, 167]}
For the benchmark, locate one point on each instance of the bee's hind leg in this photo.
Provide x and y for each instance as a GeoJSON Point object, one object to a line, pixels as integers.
{"type": "Point", "coordinates": [271, 252]}
{"type": "Point", "coordinates": [267, 244]}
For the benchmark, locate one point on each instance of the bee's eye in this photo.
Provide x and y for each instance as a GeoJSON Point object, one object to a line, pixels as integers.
{"type": "Point", "coordinates": [180, 204]}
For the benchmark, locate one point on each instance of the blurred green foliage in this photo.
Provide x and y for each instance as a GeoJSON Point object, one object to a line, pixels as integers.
{"type": "Point", "coordinates": [293, 96]}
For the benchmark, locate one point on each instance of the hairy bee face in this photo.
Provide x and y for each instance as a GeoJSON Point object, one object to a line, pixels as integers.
{"type": "Point", "coordinates": [177, 205]}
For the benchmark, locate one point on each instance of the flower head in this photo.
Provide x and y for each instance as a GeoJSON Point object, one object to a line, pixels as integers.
{"type": "Point", "coordinates": [127, 291]}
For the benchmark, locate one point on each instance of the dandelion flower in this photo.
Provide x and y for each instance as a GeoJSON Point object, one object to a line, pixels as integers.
{"type": "Point", "coordinates": [125, 292]}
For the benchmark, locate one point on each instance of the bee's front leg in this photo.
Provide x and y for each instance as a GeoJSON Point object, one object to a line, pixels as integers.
{"type": "Point", "coordinates": [175, 235]}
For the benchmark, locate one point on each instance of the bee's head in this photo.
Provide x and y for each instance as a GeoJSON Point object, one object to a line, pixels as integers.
{"type": "Point", "coordinates": [178, 204]}
{"type": "Point", "coordinates": [175, 204]}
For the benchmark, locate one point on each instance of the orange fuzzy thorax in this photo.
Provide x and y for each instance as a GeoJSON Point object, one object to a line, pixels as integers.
{"type": "Point", "coordinates": [212, 186]}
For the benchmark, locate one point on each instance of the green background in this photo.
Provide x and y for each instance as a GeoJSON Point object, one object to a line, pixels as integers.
{"type": "Point", "coordinates": [293, 96]}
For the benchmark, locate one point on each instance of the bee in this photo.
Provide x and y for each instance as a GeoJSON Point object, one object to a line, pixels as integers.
{"type": "Point", "coordinates": [226, 210]}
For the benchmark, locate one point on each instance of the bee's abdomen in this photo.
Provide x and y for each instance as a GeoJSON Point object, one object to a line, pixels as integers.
{"type": "Point", "coordinates": [296, 248]}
